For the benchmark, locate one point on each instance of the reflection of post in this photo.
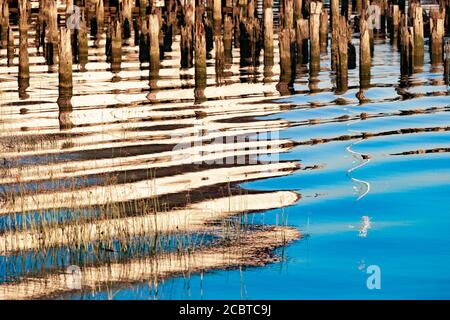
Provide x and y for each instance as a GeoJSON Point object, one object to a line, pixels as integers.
{"type": "Point", "coordinates": [65, 111]}
{"type": "Point", "coordinates": [154, 41]}
{"type": "Point", "coordinates": [186, 36]}
{"type": "Point", "coordinates": [116, 47]}
{"type": "Point", "coordinates": [82, 44]}
{"type": "Point", "coordinates": [228, 39]}
{"type": "Point", "coordinates": [4, 23]}
{"type": "Point", "coordinates": [10, 47]}
{"type": "Point", "coordinates": [100, 16]}
{"type": "Point", "coordinates": [200, 58]}
{"type": "Point", "coordinates": [447, 64]}
{"type": "Point", "coordinates": [65, 79]}
{"type": "Point", "coordinates": [126, 18]}
{"type": "Point", "coordinates": [218, 42]}
{"type": "Point", "coordinates": [24, 67]}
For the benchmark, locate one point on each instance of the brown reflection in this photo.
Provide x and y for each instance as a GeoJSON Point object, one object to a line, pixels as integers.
{"type": "Point", "coordinates": [251, 248]}
{"type": "Point", "coordinates": [64, 108]}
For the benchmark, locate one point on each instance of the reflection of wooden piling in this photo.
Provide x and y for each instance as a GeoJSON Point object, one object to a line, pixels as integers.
{"type": "Point", "coordinates": [82, 44]}
{"type": "Point", "coordinates": [154, 41]}
{"type": "Point", "coordinates": [10, 47]}
{"type": "Point", "coordinates": [302, 35]}
{"type": "Point", "coordinates": [220, 58]}
{"type": "Point", "coordinates": [437, 19]}
{"type": "Point", "coordinates": [116, 46]}
{"type": "Point", "coordinates": [65, 62]}
{"type": "Point", "coordinates": [187, 31]}
{"type": "Point", "coordinates": [406, 48]}
{"type": "Point", "coordinates": [100, 16]}
{"type": "Point", "coordinates": [447, 64]}
{"type": "Point", "coordinates": [228, 36]}
{"type": "Point", "coordinates": [323, 29]}
{"type": "Point", "coordinates": [268, 30]}
{"type": "Point", "coordinates": [200, 60]}
{"type": "Point", "coordinates": [314, 28]}
{"type": "Point", "coordinates": [126, 17]}
{"type": "Point", "coordinates": [24, 67]}
{"type": "Point", "coordinates": [4, 23]}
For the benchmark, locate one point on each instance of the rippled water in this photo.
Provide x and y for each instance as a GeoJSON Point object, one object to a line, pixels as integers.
{"type": "Point", "coordinates": [365, 184]}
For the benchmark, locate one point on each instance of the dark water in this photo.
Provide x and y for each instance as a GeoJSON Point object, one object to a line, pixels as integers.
{"type": "Point", "coordinates": [375, 199]}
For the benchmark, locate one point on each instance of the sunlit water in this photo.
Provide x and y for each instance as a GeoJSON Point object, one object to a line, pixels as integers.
{"type": "Point", "coordinates": [380, 200]}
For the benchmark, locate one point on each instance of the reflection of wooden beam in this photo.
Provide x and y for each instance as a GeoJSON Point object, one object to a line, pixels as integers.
{"type": "Point", "coordinates": [194, 218]}
{"type": "Point", "coordinates": [252, 249]}
{"type": "Point", "coordinates": [146, 188]}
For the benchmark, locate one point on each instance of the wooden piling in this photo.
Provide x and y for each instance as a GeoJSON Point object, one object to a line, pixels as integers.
{"type": "Point", "coordinates": [302, 35]}
{"type": "Point", "coordinates": [365, 59]}
{"type": "Point", "coordinates": [323, 29]}
{"type": "Point", "coordinates": [65, 62]}
{"type": "Point", "coordinates": [417, 22]}
{"type": "Point", "coordinates": [394, 23]}
{"type": "Point", "coordinates": [51, 45]}
{"type": "Point", "coordinates": [406, 47]}
{"type": "Point", "coordinates": [154, 29]}
{"type": "Point", "coordinates": [437, 23]}
{"type": "Point", "coordinates": [314, 29]}
{"type": "Point", "coordinates": [285, 37]}
{"type": "Point", "coordinates": [298, 10]}
{"type": "Point", "coordinates": [287, 14]}
{"type": "Point", "coordinates": [200, 59]}
{"type": "Point", "coordinates": [342, 56]}
{"type": "Point", "coordinates": [268, 31]}
{"type": "Point", "coordinates": [24, 67]}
